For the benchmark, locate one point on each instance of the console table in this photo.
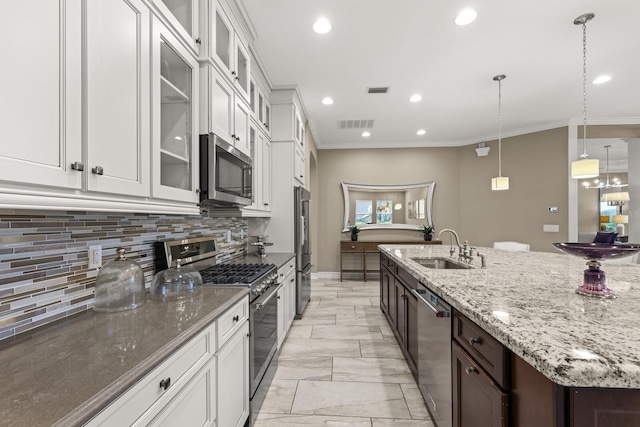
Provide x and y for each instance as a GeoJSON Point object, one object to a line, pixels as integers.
{"type": "Point", "coordinates": [361, 249]}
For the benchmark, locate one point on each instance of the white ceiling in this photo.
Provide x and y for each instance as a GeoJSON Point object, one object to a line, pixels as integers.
{"type": "Point", "coordinates": [413, 46]}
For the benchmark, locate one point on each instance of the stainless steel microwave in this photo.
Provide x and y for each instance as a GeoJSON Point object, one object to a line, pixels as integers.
{"type": "Point", "coordinates": [225, 173]}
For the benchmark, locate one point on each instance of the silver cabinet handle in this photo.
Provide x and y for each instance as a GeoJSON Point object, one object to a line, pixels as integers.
{"type": "Point", "coordinates": [471, 370]}
{"type": "Point", "coordinates": [98, 170]}
{"type": "Point", "coordinates": [474, 341]}
{"type": "Point", "coordinates": [77, 166]}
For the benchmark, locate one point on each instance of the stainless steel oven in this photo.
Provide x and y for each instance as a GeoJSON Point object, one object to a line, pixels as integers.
{"type": "Point", "coordinates": [263, 331]}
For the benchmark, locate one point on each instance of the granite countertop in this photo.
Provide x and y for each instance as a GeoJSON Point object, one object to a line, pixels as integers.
{"type": "Point", "coordinates": [527, 301]}
{"type": "Point", "coordinates": [68, 372]}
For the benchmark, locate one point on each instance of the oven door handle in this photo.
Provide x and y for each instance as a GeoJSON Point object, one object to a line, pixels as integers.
{"type": "Point", "coordinates": [260, 305]}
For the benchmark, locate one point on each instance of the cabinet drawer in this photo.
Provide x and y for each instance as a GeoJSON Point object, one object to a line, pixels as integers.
{"type": "Point", "coordinates": [175, 371]}
{"type": "Point", "coordinates": [485, 349]}
{"type": "Point", "coordinates": [352, 246]}
{"type": "Point", "coordinates": [407, 279]}
{"type": "Point", "coordinates": [232, 320]}
{"type": "Point", "coordinates": [285, 269]}
{"type": "Point", "coordinates": [372, 246]}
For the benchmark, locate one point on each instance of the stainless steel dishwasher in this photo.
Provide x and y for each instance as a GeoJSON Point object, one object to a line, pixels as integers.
{"type": "Point", "coordinates": [434, 355]}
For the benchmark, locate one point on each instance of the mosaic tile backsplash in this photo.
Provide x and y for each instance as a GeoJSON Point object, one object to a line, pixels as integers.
{"type": "Point", "coordinates": [44, 270]}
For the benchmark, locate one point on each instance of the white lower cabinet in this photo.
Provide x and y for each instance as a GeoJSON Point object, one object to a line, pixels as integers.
{"type": "Point", "coordinates": [233, 380]}
{"type": "Point", "coordinates": [282, 296]}
{"type": "Point", "coordinates": [290, 284]}
{"type": "Point", "coordinates": [286, 299]}
{"type": "Point", "coordinates": [204, 383]}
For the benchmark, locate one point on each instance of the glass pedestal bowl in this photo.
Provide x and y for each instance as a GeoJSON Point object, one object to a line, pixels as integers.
{"type": "Point", "coordinates": [594, 284]}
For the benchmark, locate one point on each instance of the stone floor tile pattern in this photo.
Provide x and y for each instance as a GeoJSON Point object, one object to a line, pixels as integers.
{"type": "Point", "coordinates": [341, 366]}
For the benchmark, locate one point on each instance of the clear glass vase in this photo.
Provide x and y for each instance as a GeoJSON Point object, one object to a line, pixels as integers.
{"type": "Point", "coordinates": [176, 283]}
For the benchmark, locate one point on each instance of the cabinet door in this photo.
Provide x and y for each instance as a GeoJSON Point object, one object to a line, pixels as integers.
{"type": "Point", "coordinates": [241, 71]}
{"type": "Point", "coordinates": [222, 101]}
{"type": "Point", "coordinates": [183, 17]}
{"type": "Point", "coordinates": [385, 279]}
{"type": "Point", "coordinates": [117, 96]}
{"type": "Point", "coordinates": [175, 92]}
{"type": "Point", "coordinates": [41, 108]}
{"type": "Point", "coordinates": [267, 116]}
{"type": "Point", "coordinates": [411, 304]}
{"type": "Point", "coordinates": [282, 295]}
{"type": "Point", "coordinates": [233, 380]}
{"type": "Point", "coordinates": [265, 175]}
{"type": "Point", "coordinates": [401, 314]}
{"type": "Point", "coordinates": [477, 400]}
{"type": "Point", "coordinates": [194, 405]}
{"type": "Point", "coordinates": [299, 166]}
{"type": "Point", "coordinates": [255, 154]}
{"type": "Point", "coordinates": [241, 126]}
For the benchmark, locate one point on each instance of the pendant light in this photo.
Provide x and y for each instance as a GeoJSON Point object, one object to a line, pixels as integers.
{"type": "Point", "coordinates": [500, 182]}
{"type": "Point", "coordinates": [585, 167]}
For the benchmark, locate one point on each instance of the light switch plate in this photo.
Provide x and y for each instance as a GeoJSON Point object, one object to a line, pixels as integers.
{"type": "Point", "coordinates": [551, 228]}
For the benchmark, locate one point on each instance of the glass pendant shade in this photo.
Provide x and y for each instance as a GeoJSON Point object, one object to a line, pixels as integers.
{"type": "Point", "coordinates": [500, 183]}
{"type": "Point", "coordinates": [585, 168]}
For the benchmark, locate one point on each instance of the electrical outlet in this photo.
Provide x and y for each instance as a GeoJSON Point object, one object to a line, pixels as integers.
{"type": "Point", "coordinates": [551, 228]}
{"type": "Point", "coordinates": [95, 256]}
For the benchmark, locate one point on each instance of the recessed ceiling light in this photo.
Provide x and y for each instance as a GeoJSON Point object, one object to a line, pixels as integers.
{"type": "Point", "coordinates": [366, 134]}
{"type": "Point", "coordinates": [415, 98]}
{"type": "Point", "coordinates": [465, 17]}
{"type": "Point", "coordinates": [178, 138]}
{"type": "Point", "coordinates": [327, 101]}
{"type": "Point", "coordinates": [601, 79]}
{"type": "Point", "coordinates": [322, 26]}
{"type": "Point", "coordinates": [421, 132]}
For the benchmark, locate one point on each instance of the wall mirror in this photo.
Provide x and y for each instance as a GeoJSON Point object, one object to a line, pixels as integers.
{"type": "Point", "coordinates": [406, 207]}
{"type": "Point", "coordinates": [589, 209]}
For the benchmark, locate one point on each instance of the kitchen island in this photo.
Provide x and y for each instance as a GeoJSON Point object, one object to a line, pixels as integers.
{"type": "Point", "coordinates": [68, 372]}
{"type": "Point", "coordinates": [527, 302]}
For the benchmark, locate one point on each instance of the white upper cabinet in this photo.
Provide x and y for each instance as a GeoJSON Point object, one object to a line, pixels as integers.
{"type": "Point", "coordinates": [117, 97]}
{"type": "Point", "coordinates": [227, 49]}
{"type": "Point", "coordinates": [182, 15]}
{"type": "Point", "coordinates": [226, 114]}
{"type": "Point", "coordinates": [41, 102]}
{"type": "Point", "coordinates": [260, 152]}
{"type": "Point", "coordinates": [175, 126]}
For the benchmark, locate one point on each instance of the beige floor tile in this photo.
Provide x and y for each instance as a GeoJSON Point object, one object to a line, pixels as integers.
{"type": "Point", "coordinates": [385, 348]}
{"type": "Point", "coordinates": [350, 399]}
{"type": "Point", "coordinates": [366, 309]}
{"type": "Point", "coordinates": [320, 347]}
{"type": "Point", "coordinates": [304, 368]}
{"type": "Point", "coordinates": [328, 309]}
{"type": "Point", "coordinates": [279, 397]}
{"type": "Point", "coordinates": [361, 320]}
{"type": "Point", "coordinates": [414, 401]}
{"type": "Point", "coordinates": [276, 420]}
{"type": "Point", "coordinates": [359, 293]}
{"type": "Point", "coordinates": [344, 301]}
{"type": "Point", "coordinates": [346, 332]}
{"type": "Point", "coordinates": [319, 319]}
{"type": "Point", "coordinates": [300, 331]}
{"type": "Point", "coordinates": [382, 422]}
{"type": "Point", "coordinates": [375, 370]}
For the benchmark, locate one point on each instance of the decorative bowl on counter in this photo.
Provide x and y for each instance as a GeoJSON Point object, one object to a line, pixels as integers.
{"type": "Point", "coordinates": [594, 284]}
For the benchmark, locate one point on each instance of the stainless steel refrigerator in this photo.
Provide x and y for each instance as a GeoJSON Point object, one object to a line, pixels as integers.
{"type": "Point", "coordinates": [302, 246]}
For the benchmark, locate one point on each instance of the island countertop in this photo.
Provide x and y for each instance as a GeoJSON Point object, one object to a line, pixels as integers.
{"type": "Point", "coordinates": [527, 301]}
{"type": "Point", "coordinates": [68, 372]}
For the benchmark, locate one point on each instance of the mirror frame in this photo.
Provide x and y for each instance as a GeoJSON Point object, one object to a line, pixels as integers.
{"type": "Point", "coordinates": [399, 187]}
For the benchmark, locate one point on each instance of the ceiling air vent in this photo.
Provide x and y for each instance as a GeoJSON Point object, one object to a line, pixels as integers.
{"type": "Point", "coordinates": [378, 89]}
{"type": "Point", "coordinates": [355, 124]}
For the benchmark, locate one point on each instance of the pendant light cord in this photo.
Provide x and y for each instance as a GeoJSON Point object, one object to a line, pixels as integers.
{"type": "Point", "coordinates": [584, 90]}
{"type": "Point", "coordinates": [500, 127]}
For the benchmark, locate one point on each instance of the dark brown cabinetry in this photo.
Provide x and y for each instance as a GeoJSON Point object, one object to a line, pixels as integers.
{"type": "Point", "coordinates": [400, 308]}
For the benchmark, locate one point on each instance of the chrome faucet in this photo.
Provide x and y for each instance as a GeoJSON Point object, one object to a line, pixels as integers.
{"type": "Point", "coordinates": [464, 252]}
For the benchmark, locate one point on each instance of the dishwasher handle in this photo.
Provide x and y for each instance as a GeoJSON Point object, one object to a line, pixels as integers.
{"type": "Point", "coordinates": [420, 293]}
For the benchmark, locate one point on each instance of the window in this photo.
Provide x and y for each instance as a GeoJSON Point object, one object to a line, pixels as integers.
{"type": "Point", "coordinates": [384, 211]}
{"type": "Point", "coordinates": [363, 212]}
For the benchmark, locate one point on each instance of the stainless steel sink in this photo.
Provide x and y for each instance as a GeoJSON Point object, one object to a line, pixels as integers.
{"type": "Point", "coordinates": [441, 264]}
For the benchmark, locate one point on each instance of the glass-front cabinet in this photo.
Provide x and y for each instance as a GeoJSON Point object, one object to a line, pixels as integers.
{"type": "Point", "coordinates": [183, 17]}
{"type": "Point", "coordinates": [175, 91]}
{"type": "Point", "coordinates": [228, 51]}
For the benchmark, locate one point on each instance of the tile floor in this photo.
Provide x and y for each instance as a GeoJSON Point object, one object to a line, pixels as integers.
{"type": "Point", "coordinates": [341, 366]}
